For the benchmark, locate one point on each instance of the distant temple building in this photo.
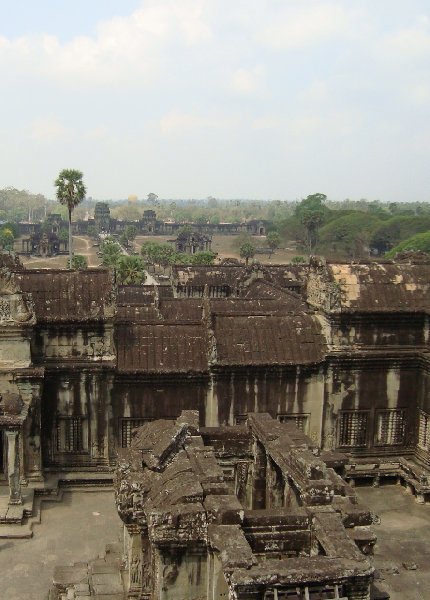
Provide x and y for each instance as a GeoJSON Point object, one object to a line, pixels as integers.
{"type": "Point", "coordinates": [46, 240]}
{"type": "Point", "coordinates": [191, 242]}
{"type": "Point", "coordinates": [102, 217]}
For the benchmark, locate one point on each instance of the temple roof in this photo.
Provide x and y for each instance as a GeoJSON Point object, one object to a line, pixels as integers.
{"type": "Point", "coordinates": [66, 295]}
{"type": "Point", "coordinates": [382, 287]}
{"type": "Point", "coordinates": [268, 340]}
{"type": "Point", "coordinates": [162, 348]}
{"type": "Point", "coordinates": [215, 275]}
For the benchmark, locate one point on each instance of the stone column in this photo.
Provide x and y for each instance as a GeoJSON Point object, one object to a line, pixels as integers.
{"type": "Point", "coordinates": [134, 560]}
{"type": "Point", "coordinates": [13, 467]}
{"type": "Point", "coordinates": [259, 480]}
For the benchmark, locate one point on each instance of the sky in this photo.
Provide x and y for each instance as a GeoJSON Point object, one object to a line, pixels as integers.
{"type": "Point", "coordinates": [267, 99]}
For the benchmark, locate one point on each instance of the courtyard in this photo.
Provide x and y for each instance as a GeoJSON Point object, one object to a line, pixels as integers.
{"type": "Point", "coordinates": [75, 529]}
{"type": "Point", "coordinates": [79, 526]}
{"type": "Point", "coordinates": [403, 542]}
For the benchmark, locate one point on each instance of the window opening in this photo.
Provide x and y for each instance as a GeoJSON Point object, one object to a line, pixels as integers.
{"type": "Point", "coordinates": [353, 428]}
{"type": "Point", "coordinates": [390, 427]}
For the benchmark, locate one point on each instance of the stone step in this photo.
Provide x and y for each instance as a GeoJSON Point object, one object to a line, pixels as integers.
{"type": "Point", "coordinates": [15, 513]}
{"type": "Point", "coordinates": [15, 532]}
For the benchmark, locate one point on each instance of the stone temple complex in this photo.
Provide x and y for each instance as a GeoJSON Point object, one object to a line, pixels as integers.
{"type": "Point", "coordinates": [234, 408]}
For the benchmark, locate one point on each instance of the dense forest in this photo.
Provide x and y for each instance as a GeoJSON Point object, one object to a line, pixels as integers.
{"type": "Point", "coordinates": [345, 229]}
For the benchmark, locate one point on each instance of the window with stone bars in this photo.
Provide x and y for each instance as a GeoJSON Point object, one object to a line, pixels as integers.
{"type": "Point", "coordinates": [353, 428]}
{"type": "Point", "coordinates": [424, 431]}
{"type": "Point", "coordinates": [301, 421]}
{"type": "Point", "coordinates": [127, 426]}
{"type": "Point", "coordinates": [240, 419]}
{"type": "Point", "coordinates": [390, 427]}
{"type": "Point", "coordinates": [301, 592]}
{"type": "Point", "coordinates": [71, 434]}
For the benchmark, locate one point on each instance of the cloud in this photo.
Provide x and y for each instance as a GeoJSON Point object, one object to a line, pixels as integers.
{"type": "Point", "coordinates": [248, 81]}
{"type": "Point", "coordinates": [267, 122]}
{"type": "Point", "coordinates": [330, 124]}
{"type": "Point", "coordinates": [407, 44]}
{"type": "Point", "coordinates": [49, 129]}
{"type": "Point", "coordinates": [177, 122]}
{"type": "Point", "coordinates": [254, 84]}
{"type": "Point", "coordinates": [306, 26]}
{"type": "Point", "coordinates": [419, 93]}
{"type": "Point", "coordinates": [316, 92]}
{"type": "Point", "coordinates": [97, 133]}
{"type": "Point", "coordinates": [123, 48]}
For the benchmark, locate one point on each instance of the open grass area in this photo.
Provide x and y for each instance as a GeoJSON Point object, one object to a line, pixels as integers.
{"type": "Point", "coordinates": [81, 245]}
{"type": "Point", "coordinates": [227, 246]}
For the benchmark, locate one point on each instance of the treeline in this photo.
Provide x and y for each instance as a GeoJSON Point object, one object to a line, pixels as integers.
{"type": "Point", "coordinates": [356, 230]}
{"type": "Point", "coordinates": [345, 229]}
{"type": "Point", "coordinates": [20, 205]}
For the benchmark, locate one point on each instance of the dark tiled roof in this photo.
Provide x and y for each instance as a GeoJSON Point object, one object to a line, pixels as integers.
{"type": "Point", "coordinates": [181, 309]}
{"type": "Point", "coordinates": [215, 275]}
{"type": "Point", "coordinates": [161, 348]}
{"type": "Point", "coordinates": [137, 313]}
{"type": "Point", "coordinates": [68, 295]}
{"type": "Point", "coordinates": [383, 287]}
{"type": "Point", "coordinates": [264, 340]}
{"type": "Point", "coordinates": [254, 306]}
{"type": "Point", "coordinates": [285, 275]}
{"type": "Point", "coordinates": [262, 289]}
{"type": "Point", "coordinates": [136, 295]}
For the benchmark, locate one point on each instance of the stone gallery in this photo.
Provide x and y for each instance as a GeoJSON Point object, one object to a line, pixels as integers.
{"type": "Point", "coordinates": [237, 406]}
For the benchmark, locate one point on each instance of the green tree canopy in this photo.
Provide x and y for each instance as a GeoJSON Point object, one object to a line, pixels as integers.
{"type": "Point", "coordinates": [397, 229]}
{"type": "Point", "coordinates": [111, 252]}
{"type": "Point", "coordinates": [348, 236]}
{"type": "Point", "coordinates": [149, 251]}
{"type": "Point", "coordinates": [131, 232]}
{"type": "Point", "coordinates": [6, 238]}
{"type": "Point", "coordinates": [157, 254]}
{"type": "Point", "coordinates": [202, 258]}
{"type": "Point", "coordinates": [312, 213]}
{"type": "Point", "coordinates": [78, 262]}
{"type": "Point", "coordinates": [130, 270]}
{"type": "Point", "coordinates": [92, 231]}
{"type": "Point", "coordinates": [13, 227]}
{"type": "Point", "coordinates": [20, 205]}
{"type": "Point", "coordinates": [273, 239]}
{"type": "Point", "coordinates": [247, 251]}
{"type": "Point", "coordinates": [297, 260]}
{"type": "Point", "coordinates": [418, 243]}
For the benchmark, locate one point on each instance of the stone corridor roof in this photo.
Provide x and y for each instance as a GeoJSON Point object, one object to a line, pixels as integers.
{"type": "Point", "coordinates": [269, 340]}
{"type": "Point", "coordinates": [64, 296]}
{"type": "Point", "coordinates": [162, 348]}
{"type": "Point", "coordinates": [270, 326]}
{"type": "Point", "coordinates": [382, 287]}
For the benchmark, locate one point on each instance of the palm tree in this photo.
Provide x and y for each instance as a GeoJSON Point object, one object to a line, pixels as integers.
{"type": "Point", "coordinates": [70, 192]}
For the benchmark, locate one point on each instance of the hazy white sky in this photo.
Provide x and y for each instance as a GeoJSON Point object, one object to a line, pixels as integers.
{"type": "Point", "coordinates": [235, 99]}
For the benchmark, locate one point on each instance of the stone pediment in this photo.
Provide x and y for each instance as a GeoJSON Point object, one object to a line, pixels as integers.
{"type": "Point", "coordinates": [8, 283]}
{"type": "Point", "coordinates": [15, 309]}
